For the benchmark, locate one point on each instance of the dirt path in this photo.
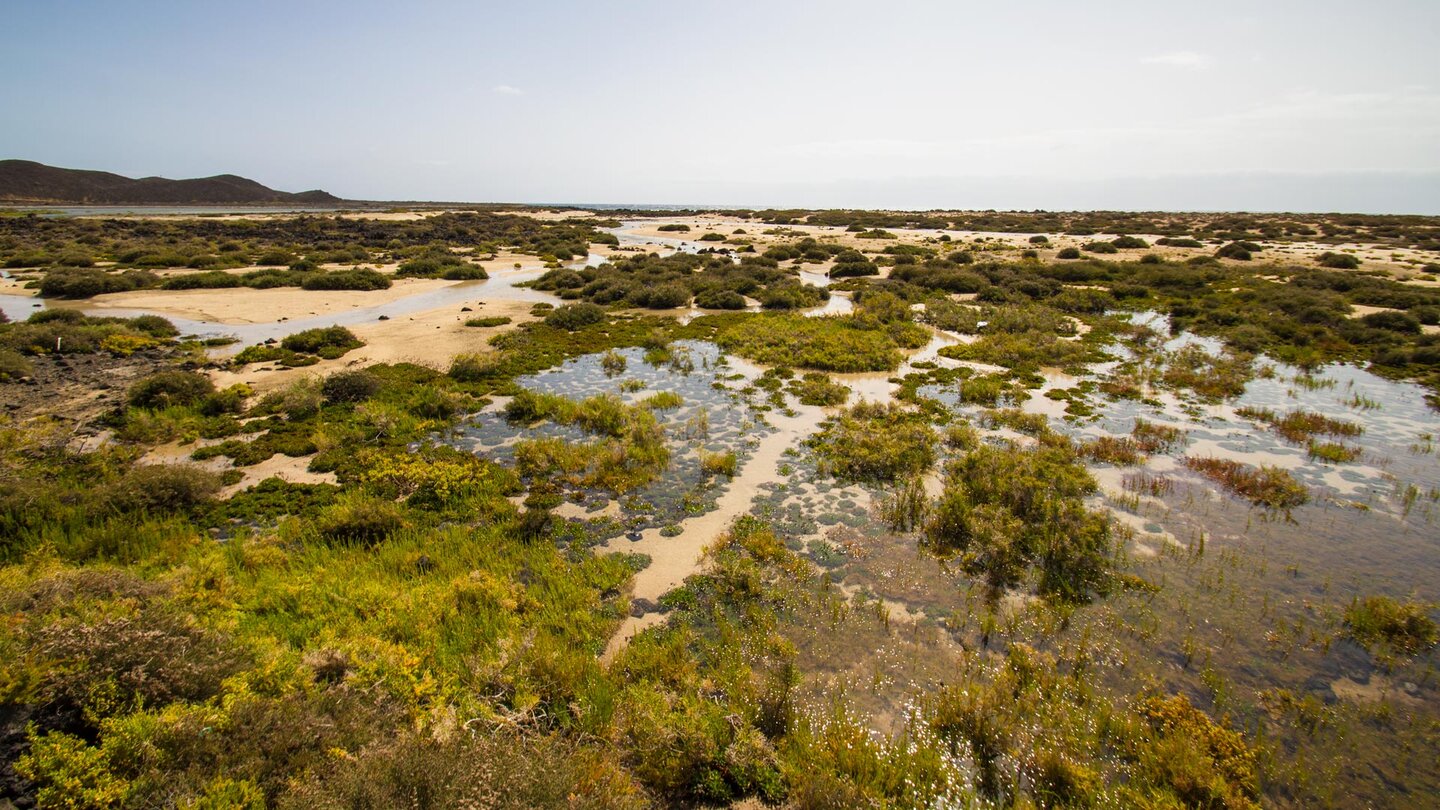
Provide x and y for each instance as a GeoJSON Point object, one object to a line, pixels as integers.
{"type": "Point", "coordinates": [672, 559]}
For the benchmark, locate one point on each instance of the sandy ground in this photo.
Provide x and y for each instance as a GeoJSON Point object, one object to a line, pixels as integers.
{"type": "Point", "coordinates": [431, 338]}
{"type": "Point", "coordinates": [242, 305]}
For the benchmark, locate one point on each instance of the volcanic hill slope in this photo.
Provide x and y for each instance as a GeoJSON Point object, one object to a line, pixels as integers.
{"type": "Point", "coordinates": [28, 182]}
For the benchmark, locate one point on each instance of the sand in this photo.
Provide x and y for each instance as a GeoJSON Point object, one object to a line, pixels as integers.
{"type": "Point", "coordinates": [242, 305]}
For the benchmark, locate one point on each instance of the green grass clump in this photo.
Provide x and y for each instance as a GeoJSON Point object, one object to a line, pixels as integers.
{"type": "Point", "coordinates": [14, 366]}
{"type": "Point", "coordinates": [719, 463]}
{"type": "Point", "coordinates": [875, 443]}
{"type": "Point", "coordinates": [1156, 438]}
{"type": "Point", "coordinates": [1212, 377]}
{"type": "Point", "coordinates": [1386, 625]}
{"type": "Point", "coordinates": [1121, 451]}
{"type": "Point", "coordinates": [76, 282]}
{"type": "Point", "coordinates": [630, 451]}
{"type": "Point", "coordinates": [1008, 511]}
{"type": "Point", "coordinates": [1270, 487]}
{"type": "Point", "coordinates": [1024, 351]}
{"type": "Point", "coordinates": [165, 389]}
{"type": "Point", "coordinates": [67, 331]}
{"type": "Point", "coordinates": [663, 401]}
{"type": "Point", "coordinates": [1333, 452]}
{"type": "Point", "coordinates": [303, 348]}
{"type": "Point", "coordinates": [488, 321]}
{"type": "Point", "coordinates": [818, 389]}
{"type": "Point", "coordinates": [843, 344]}
{"type": "Point", "coordinates": [1301, 426]}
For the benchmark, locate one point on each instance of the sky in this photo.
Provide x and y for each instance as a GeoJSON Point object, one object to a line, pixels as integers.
{"type": "Point", "coordinates": [1259, 105]}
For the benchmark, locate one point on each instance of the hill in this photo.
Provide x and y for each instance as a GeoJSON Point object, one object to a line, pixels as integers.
{"type": "Point", "coordinates": [28, 182]}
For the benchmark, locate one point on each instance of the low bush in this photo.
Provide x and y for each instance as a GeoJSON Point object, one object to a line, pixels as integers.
{"type": "Point", "coordinates": [488, 321]}
{"type": "Point", "coordinates": [328, 342]}
{"type": "Point", "coordinates": [1338, 261]}
{"type": "Point", "coordinates": [14, 366]}
{"type": "Point", "coordinates": [350, 386]}
{"type": "Point", "coordinates": [1235, 250]}
{"type": "Point", "coordinates": [357, 519]}
{"type": "Point", "coordinates": [88, 282]}
{"type": "Point", "coordinates": [164, 488]}
{"type": "Point", "coordinates": [875, 443]}
{"type": "Point", "coordinates": [842, 344]}
{"type": "Point", "coordinates": [1270, 487]}
{"type": "Point", "coordinates": [167, 389]}
{"type": "Point", "coordinates": [1386, 625]}
{"type": "Point", "coordinates": [347, 280]}
{"type": "Point", "coordinates": [575, 316]}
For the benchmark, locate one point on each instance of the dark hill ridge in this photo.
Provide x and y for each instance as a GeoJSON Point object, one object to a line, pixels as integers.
{"type": "Point", "coordinates": [25, 181]}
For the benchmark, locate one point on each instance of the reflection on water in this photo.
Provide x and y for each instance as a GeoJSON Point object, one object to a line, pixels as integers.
{"type": "Point", "coordinates": [713, 418]}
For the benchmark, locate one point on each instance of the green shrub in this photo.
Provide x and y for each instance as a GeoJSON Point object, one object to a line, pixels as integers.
{"type": "Point", "coordinates": [876, 443]}
{"type": "Point", "coordinates": [719, 299]}
{"type": "Point", "coordinates": [1006, 510]}
{"type": "Point", "coordinates": [1380, 623]}
{"type": "Point", "coordinates": [87, 282]}
{"type": "Point", "coordinates": [1402, 322]}
{"type": "Point", "coordinates": [842, 344]}
{"type": "Point", "coordinates": [14, 366]}
{"type": "Point", "coordinates": [488, 321]}
{"type": "Point", "coordinates": [1129, 242]}
{"type": "Point", "coordinates": [818, 389]}
{"type": "Point", "coordinates": [1235, 250]}
{"type": "Point", "coordinates": [357, 519]}
{"type": "Point", "coordinates": [674, 227]}
{"type": "Point", "coordinates": [168, 389]}
{"type": "Point", "coordinates": [1338, 261]}
{"type": "Point", "coordinates": [164, 488]}
{"type": "Point", "coordinates": [350, 386]}
{"type": "Point", "coordinates": [1068, 253]}
{"type": "Point", "coordinates": [332, 340]}
{"type": "Point", "coordinates": [1179, 241]}
{"type": "Point", "coordinates": [347, 280]}
{"type": "Point", "coordinates": [575, 316]}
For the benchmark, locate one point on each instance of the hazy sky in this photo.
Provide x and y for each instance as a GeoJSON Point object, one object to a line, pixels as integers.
{"type": "Point", "coordinates": [1216, 105]}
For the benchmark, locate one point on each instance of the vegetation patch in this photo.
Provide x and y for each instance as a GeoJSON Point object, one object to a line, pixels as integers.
{"type": "Point", "coordinates": [1389, 626]}
{"type": "Point", "coordinates": [1270, 487]}
{"type": "Point", "coordinates": [1007, 511]}
{"type": "Point", "coordinates": [843, 344]}
{"type": "Point", "coordinates": [875, 443]}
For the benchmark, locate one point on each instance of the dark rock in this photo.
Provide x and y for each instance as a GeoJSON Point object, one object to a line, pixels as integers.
{"type": "Point", "coordinates": [639, 607]}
